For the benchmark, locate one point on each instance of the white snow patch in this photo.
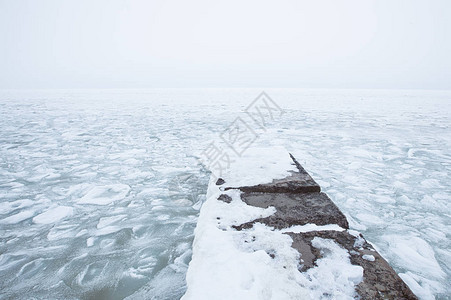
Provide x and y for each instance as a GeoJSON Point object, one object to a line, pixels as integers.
{"type": "Point", "coordinates": [258, 166]}
{"type": "Point", "coordinates": [242, 212]}
{"type": "Point", "coordinates": [334, 274]}
{"type": "Point", "coordinates": [220, 270]}
{"type": "Point", "coordinates": [312, 227]}
{"type": "Point", "coordinates": [368, 257]}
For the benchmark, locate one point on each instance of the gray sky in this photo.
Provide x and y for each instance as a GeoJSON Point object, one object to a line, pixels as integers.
{"type": "Point", "coordinates": [245, 43]}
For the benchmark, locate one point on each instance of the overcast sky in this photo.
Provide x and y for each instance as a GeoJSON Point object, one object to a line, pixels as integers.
{"type": "Point", "coordinates": [233, 43]}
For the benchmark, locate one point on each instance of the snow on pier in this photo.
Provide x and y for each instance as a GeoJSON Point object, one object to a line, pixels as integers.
{"type": "Point", "coordinates": [266, 231]}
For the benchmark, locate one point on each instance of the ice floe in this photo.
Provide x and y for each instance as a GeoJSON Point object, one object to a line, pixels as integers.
{"type": "Point", "coordinates": [106, 194]}
{"type": "Point", "coordinates": [53, 215]}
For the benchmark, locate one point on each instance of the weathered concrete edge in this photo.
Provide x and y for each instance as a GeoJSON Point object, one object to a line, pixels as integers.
{"type": "Point", "coordinates": [380, 280]}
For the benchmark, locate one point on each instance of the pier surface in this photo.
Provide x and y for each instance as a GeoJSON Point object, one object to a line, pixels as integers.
{"type": "Point", "coordinates": [281, 239]}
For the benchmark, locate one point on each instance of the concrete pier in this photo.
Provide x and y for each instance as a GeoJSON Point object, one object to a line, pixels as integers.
{"type": "Point", "coordinates": [295, 203]}
{"type": "Point", "coordinates": [298, 200]}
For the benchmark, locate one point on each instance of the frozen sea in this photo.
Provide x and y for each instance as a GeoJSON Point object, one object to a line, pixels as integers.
{"type": "Point", "coordinates": [100, 189]}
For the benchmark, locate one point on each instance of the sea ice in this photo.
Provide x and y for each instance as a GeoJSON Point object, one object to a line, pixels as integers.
{"type": "Point", "coordinates": [381, 153]}
{"type": "Point", "coordinates": [415, 254]}
{"type": "Point", "coordinates": [53, 215]}
{"type": "Point", "coordinates": [105, 194]}
{"type": "Point", "coordinates": [19, 217]}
